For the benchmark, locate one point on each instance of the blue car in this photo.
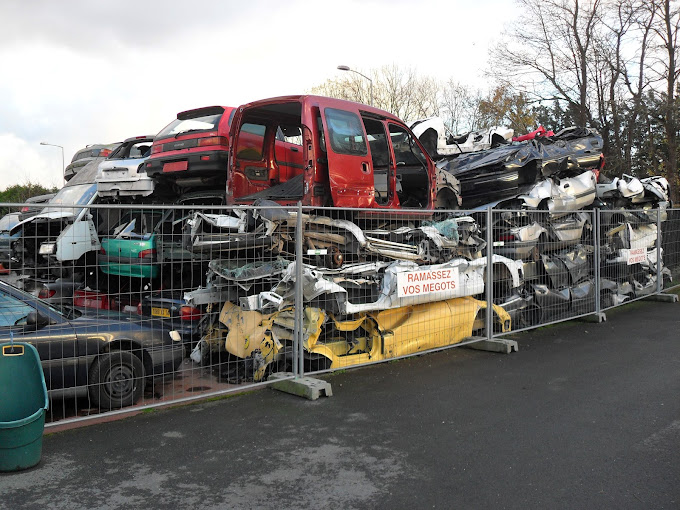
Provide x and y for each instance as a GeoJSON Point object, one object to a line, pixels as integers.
{"type": "Point", "coordinates": [101, 353]}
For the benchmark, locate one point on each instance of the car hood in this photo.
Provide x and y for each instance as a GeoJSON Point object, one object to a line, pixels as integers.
{"type": "Point", "coordinates": [50, 215]}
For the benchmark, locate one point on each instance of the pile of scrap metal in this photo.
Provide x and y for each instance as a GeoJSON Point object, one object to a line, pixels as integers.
{"type": "Point", "coordinates": [368, 294]}
{"type": "Point", "coordinates": [556, 250]}
{"type": "Point", "coordinates": [631, 212]}
{"type": "Point", "coordinates": [558, 170]}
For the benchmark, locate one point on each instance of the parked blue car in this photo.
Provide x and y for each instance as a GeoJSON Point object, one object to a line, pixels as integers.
{"type": "Point", "coordinates": [101, 353]}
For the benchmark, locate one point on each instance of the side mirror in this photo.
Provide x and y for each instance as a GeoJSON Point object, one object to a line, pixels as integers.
{"type": "Point", "coordinates": [37, 320]}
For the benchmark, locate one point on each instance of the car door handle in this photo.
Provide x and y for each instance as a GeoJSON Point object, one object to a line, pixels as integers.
{"type": "Point", "coordinates": [294, 149]}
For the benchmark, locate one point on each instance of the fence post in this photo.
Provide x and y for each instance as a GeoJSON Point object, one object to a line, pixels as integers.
{"type": "Point", "coordinates": [489, 275]}
{"type": "Point", "coordinates": [659, 274]}
{"type": "Point", "coordinates": [298, 349]}
{"type": "Point", "coordinates": [597, 256]}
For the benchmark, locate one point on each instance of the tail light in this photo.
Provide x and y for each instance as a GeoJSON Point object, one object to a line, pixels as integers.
{"type": "Point", "coordinates": [147, 253]}
{"type": "Point", "coordinates": [91, 299]}
{"type": "Point", "coordinates": [24, 208]}
{"type": "Point", "coordinates": [104, 153]}
{"type": "Point", "coordinates": [212, 140]}
{"type": "Point", "coordinates": [506, 237]}
{"type": "Point", "coordinates": [156, 148]}
{"type": "Point", "coordinates": [46, 293]}
{"type": "Point", "coordinates": [139, 309]}
{"type": "Point", "coordinates": [189, 313]}
{"type": "Point", "coordinates": [102, 251]}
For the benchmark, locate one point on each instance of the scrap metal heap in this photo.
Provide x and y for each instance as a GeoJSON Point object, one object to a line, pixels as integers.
{"type": "Point", "coordinates": [379, 289]}
{"type": "Point", "coordinates": [357, 284]}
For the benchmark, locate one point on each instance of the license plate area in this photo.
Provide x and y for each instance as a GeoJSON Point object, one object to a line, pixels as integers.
{"type": "Point", "coordinates": [160, 312]}
{"type": "Point", "coordinates": [175, 166]}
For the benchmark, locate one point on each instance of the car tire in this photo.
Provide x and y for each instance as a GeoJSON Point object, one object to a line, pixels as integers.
{"type": "Point", "coordinates": [117, 380]}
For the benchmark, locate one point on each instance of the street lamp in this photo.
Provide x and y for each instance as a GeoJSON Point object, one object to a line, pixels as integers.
{"type": "Point", "coordinates": [347, 68]}
{"type": "Point", "coordinates": [62, 155]}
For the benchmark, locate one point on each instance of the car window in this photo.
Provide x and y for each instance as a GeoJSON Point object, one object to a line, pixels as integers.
{"type": "Point", "coordinates": [12, 310]}
{"type": "Point", "coordinates": [8, 221]}
{"type": "Point", "coordinates": [137, 224]}
{"type": "Point", "coordinates": [251, 141]}
{"type": "Point", "coordinates": [71, 195]}
{"type": "Point", "coordinates": [406, 151]}
{"type": "Point", "coordinates": [132, 150]}
{"type": "Point", "coordinates": [345, 132]}
{"type": "Point", "coordinates": [178, 127]}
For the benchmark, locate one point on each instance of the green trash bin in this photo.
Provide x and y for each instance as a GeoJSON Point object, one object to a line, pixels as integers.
{"type": "Point", "coordinates": [23, 402]}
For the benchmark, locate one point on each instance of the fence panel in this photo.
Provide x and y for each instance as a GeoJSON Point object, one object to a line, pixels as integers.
{"type": "Point", "coordinates": [630, 246]}
{"type": "Point", "coordinates": [670, 246]}
{"type": "Point", "coordinates": [134, 306]}
{"type": "Point", "coordinates": [553, 278]}
{"type": "Point", "coordinates": [379, 285]}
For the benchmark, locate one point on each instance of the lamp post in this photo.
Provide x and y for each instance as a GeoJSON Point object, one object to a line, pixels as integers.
{"type": "Point", "coordinates": [62, 155]}
{"type": "Point", "coordinates": [347, 68]}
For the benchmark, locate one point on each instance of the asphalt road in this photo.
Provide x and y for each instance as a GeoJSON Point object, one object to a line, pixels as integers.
{"type": "Point", "coordinates": [583, 416]}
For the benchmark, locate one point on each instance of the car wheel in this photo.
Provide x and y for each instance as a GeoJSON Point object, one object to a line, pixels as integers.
{"type": "Point", "coordinates": [117, 380]}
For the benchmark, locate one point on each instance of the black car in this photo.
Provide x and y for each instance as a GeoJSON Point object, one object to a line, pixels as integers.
{"type": "Point", "coordinates": [106, 354]}
{"type": "Point", "coordinates": [171, 308]}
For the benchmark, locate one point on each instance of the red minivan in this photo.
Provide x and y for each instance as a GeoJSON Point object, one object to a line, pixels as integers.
{"type": "Point", "coordinates": [193, 149]}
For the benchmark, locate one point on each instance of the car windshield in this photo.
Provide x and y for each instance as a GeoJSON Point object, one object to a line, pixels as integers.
{"type": "Point", "coordinates": [205, 123]}
{"type": "Point", "coordinates": [15, 308]}
{"type": "Point", "coordinates": [80, 194]}
{"type": "Point", "coordinates": [8, 221]}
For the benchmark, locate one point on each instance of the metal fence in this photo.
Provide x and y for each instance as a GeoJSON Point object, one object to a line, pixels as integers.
{"type": "Point", "coordinates": [135, 306]}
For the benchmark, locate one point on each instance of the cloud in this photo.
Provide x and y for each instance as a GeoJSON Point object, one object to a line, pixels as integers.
{"type": "Point", "coordinates": [80, 72]}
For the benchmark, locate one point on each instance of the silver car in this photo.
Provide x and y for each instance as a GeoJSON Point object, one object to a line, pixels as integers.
{"type": "Point", "coordinates": [122, 173]}
{"type": "Point", "coordinates": [84, 156]}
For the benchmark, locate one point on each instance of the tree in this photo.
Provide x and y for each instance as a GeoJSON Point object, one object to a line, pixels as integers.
{"type": "Point", "coordinates": [19, 193]}
{"type": "Point", "coordinates": [503, 107]}
{"type": "Point", "coordinates": [551, 53]}
{"type": "Point", "coordinates": [399, 91]}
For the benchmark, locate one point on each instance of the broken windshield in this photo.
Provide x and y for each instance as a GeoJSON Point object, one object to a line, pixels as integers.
{"type": "Point", "coordinates": [80, 194]}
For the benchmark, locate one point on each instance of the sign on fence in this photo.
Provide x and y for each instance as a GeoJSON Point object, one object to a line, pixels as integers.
{"type": "Point", "coordinates": [636, 255]}
{"type": "Point", "coordinates": [420, 283]}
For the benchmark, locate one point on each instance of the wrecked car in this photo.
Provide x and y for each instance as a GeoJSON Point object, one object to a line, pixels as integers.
{"type": "Point", "coordinates": [149, 243]}
{"type": "Point", "coordinates": [329, 341]}
{"type": "Point", "coordinates": [64, 237]}
{"type": "Point", "coordinates": [354, 156]}
{"type": "Point", "coordinates": [122, 173]}
{"type": "Point", "coordinates": [433, 135]}
{"type": "Point", "coordinates": [192, 150]}
{"type": "Point", "coordinates": [506, 171]}
{"type": "Point", "coordinates": [94, 152]}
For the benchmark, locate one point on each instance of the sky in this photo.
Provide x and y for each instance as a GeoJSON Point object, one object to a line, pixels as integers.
{"type": "Point", "coordinates": [80, 72]}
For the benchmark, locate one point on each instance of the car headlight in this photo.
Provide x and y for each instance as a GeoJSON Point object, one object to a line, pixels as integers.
{"type": "Point", "coordinates": [47, 248]}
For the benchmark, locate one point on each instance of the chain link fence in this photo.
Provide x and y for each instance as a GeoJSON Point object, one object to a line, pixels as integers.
{"type": "Point", "coordinates": [135, 306]}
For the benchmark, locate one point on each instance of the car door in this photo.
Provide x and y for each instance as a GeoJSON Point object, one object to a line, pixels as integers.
{"type": "Point", "coordinates": [350, 169]}
{"type": "Point", "coordinates": [55, 342]}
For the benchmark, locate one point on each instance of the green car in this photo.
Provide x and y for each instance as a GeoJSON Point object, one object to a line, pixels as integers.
{"type": "Point", "coordinates": [147, 243]}
{"type": "Point", "coordinates": [131, 250]}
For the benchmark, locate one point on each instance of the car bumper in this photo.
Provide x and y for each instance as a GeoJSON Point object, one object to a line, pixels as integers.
{"type": "Point", "coordinates": [166, 359]}
{"type": "Point", "coordinates": [196, 164]}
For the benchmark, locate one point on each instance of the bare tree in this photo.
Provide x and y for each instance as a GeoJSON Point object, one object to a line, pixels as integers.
{"type": "Point", "coordinates": [551, 52]}
{"type": "Point", "coordinates": [396, 90]}
{"type": "Point", "coordinates": [666, 29]}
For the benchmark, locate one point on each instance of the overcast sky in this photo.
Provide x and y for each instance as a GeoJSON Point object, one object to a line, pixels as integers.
{"type": "Point", "coordinates": [79, 72]}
